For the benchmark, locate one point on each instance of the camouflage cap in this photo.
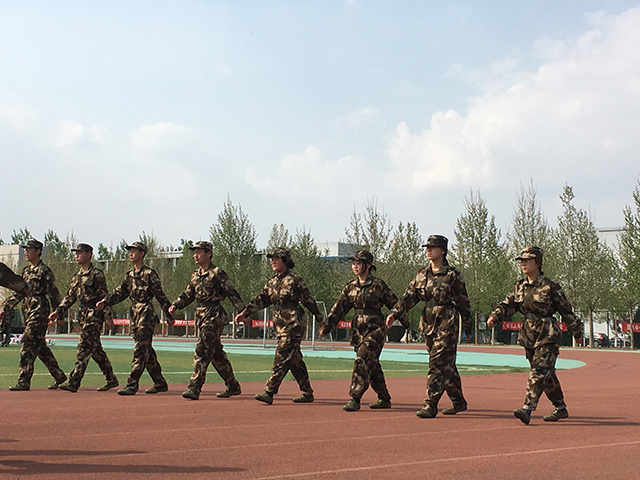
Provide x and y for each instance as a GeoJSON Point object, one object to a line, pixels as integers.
{"type": "Point", "coordinates": [83, 247]}
{"type": "Point", "coordinates": [363, 256]}
{"type": "Point", "coordinates": [531, 252]}
{"type": "Point", "coordinates": [138, 246]}
{"type": "Point", "coordinates": [206, 246]}
{"type": "Point", "coordinates": [33, 244]}
{"type": "Point", "coordinates": [282, 253]}
{"type": "Point", "coordinates": [437, 241]}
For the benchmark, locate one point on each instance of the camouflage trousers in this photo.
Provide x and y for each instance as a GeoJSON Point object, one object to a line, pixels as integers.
{"type": "Point", "coordinates": [209, 350]}
{"type": "Point", "coordinates": [443, 374]}
{"type": "Point", "coordinates": [288, 357]}
{"type": "Point", "coordinates": [34, 345]}
{"type": "Point", "coordinates": [144, 356]}
{"type": "Point", "coordinates": [5, 327]}
{"type": "Point", "coordinates": [368, 371]}
{"type": "Point", "coordinates": [542, 376]}
{"type": "Point", "coordinates": [90, 347]}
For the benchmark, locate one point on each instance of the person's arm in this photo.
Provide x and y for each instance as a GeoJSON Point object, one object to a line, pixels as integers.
{"type": "Point", "coordinates": [308, 301]}
{"type": "Point", "coordinates": [563, 307]}
{"type": "Point", "coordinates": [230, 291]}
{"type": "Point", "coordinates": [409, 299]}
{"type": "Point", "coordinates": [260, 301]}
{"type": "Point", "coordinates": [338, 312]}
{"type": "Point", "coordinates": [68, 300]}
{"type": "Point", "coordinates": [505, 309]}
{"type": "Point", "coordinates": [52, 290]}
{"type": "Point", "coordinates": [156, 289]}
{"type": "Point", "coordinates": [461, 299]}
{"type": "Point", "coordinates": [184, 299]}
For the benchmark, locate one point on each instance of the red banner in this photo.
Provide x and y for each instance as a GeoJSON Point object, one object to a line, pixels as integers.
{"type": "Point", "coordinates": [344, 325]}
{"type": "Point", "coordinates": [626, 327]}
{"type": "Point", "coordinates": [260, 323]}
{"type": "Point", "coordinates": [121, 321]}
{"type": "Point", "coordinates": [517, 325]}
{"type": "Point", "coordinates": [183, 323]}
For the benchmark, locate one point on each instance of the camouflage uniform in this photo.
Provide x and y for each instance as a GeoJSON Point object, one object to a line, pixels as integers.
{"type": "Point", "coordinates": [141, 286]}
{"type": "Point", "coordinates": [540, 334]}
{"type": "Point", "coordinates": [445, 295]}
{"type": "Point", "coordinates": [208, 288]}
{"type": "Point", "coordinates": [5, 327]}
{"type": "Point", "coordinates": [35, 309]}
{"type": "Point", "coordinates": [88, 287]}
{"type": "Point", "coordinates": [284, 291]}
{"type": "Point", "coordinates": [368, 332]}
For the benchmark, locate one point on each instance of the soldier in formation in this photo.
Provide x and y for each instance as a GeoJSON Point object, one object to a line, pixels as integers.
{"type": "Point", "coordinates": [87, 287]}
{"type": "Point", "coordinates": [141, 284]}
{"type": "Point", "coordinates": [43, 294]}
{"type": "Point", "coordinates": [209, 285]}
{"type": "Point", "coordinates": [285, 291]}
{"type": "Point", "coordinates": [442, 289]}
{"type": "Point", "coordinates": [366, 294]}
{"type": "Point", "coordinates": [538, 298]}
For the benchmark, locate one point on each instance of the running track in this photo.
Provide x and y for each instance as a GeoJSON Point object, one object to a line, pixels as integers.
{"type": "Point", "coordinates": [57, 435]}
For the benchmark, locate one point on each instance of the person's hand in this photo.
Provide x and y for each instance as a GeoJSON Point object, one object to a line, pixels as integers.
{"type": "Point", "coordinates": [240, 318]}
{"type": "Point", "coordinates": [53, 316]}
{"type": "Point", "coordinates": [110, 324]}
{"type": "Point", "coordinates": [578, 341]}
{"type": "Point", "coordinates": [170, 321]}
{"type": "Point", "coordinates": [390, 320]}
{"type": "Point", "coordinates": [101, 304]}
{"type": "Point", "coordinates": [2, 312]}
{"type": "Point", "coordinates": [491, 322]}
{"type": "Point", "coordinates": [172, 309]}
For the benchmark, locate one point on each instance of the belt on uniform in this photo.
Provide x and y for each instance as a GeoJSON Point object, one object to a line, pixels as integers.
{"type": "Point", "coordinates": [533, 316]}
{"type": "Point", "coordinates": [285, 306]}
{"type": "Point", "coordinates": [88, 305]}
{"type": "Point", "coordinates": [369, 311]}
{"type": "Point", "coordinates": [208, 304]}
{"type": "Point", "coordinates": [432, 303]}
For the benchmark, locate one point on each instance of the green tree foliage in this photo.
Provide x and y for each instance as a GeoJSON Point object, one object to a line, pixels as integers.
{"type": "Point", "coordinates": [628, 278]}
{"type": "Point", "coordinates": [371, 231]}
{"type": "Point", "coordinates": [479, 254]}
{"type": "Point", "coordinates": [21, 237]}
{"type": "Point", "coordinates": [58, 255]}
{"type": "Point", "coordinates": [233, 238]}
{"type": "Point", "coordinates": [588, 264]}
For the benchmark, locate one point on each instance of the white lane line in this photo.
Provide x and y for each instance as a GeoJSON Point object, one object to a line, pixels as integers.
{"type": "Point", "coordinates": [442, 460]}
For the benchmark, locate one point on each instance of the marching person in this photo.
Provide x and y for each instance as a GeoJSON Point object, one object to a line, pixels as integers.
{"type": "Point", "coordinates": [35, 309]}
{"type": "Point", "coordinates": [141, 284]}
{"type": "Point", "coordinates": [285, 290]}
{"type": "Point", "coordinates": [5, 327]}
{"type": "Point", "coordinates": [88, 286]}
{"type": "Point", "coordinates": [442, 289]}
{"type": "Point", "coordinates": [209, 285]}
{"type": "Point", "coordinates": [538, 298]}
{"type": "Point", "coordinates": [366, 294]}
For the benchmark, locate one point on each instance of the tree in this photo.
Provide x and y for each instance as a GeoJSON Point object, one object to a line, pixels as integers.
{"type": "Point", "coordinates": [530, 228]}
{"type": "Point", "coordinates": [21, 237]}
{"type": "Point", "coordinates": [371, 233]}
{"type": "Point", "coordinates": [629, 258]}
{"type": "Point", "coordinates": [587, 273]}
{"type": "Point", "coordinates": [279, 237]}
{"type": "Point", "coordinates": [233, 238]}
{"type": "Point", "coordinates": [480, 256]}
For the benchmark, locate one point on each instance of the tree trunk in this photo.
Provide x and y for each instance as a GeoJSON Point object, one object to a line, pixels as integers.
{"type": "Point", "coordinates": [590, 328]}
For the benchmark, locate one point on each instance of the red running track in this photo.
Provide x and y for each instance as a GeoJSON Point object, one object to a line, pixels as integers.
{"type": "Point", "coordinates": [57, 435]}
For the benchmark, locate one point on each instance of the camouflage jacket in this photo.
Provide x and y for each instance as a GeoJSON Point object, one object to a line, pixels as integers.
{"type": "Point", "coordinates": [208, 288]}
{"type": "Point", "coordinates": [87, 288]}
{"type": "Point", "coordinates": [538, 301]}
{"type": "Point", "coordinates": [444, 294]}
{"type": "Point", "coordinates": [141, 287]}
{"type": "Point", "coordinates": [367, 299]}
{"type": "Point", "coordinates": [42, 284]}
{"type": "Point", "coordinates": [285, 291]}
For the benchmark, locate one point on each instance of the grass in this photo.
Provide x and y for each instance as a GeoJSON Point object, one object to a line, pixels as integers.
{"type": "Point", "coordinates": [178, 366]}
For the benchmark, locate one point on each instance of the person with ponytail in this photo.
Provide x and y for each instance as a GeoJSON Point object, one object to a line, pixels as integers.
{"type": "Point", "coordinates": [442, 289]}
{"type": "Point", "coordinates": [366, 294]}
{"type": "Point", "coordinates": [285, 291]}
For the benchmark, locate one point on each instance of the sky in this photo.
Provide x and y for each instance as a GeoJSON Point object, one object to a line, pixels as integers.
{"type": "Point", "coordinates": [118, 118]}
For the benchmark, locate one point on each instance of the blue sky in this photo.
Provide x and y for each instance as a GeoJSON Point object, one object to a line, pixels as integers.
{"type": "Point", "coordinates": [119, 117]}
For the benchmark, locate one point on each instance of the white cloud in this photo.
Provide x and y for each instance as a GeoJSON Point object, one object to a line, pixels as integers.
{"type": "Point", "coordinates": [158, 136]}
{"type": "Point", "coordinates": [363, 116]}
{"type": "Point", "coordinates": [311, 176]}
{"type": "Point", "coordinates": [576, 117]}
{"type": "Point", "coordinates": [69, 133]}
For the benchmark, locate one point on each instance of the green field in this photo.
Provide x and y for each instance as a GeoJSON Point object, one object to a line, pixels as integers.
{"type": "Point", "coordinates": [177, 367]}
